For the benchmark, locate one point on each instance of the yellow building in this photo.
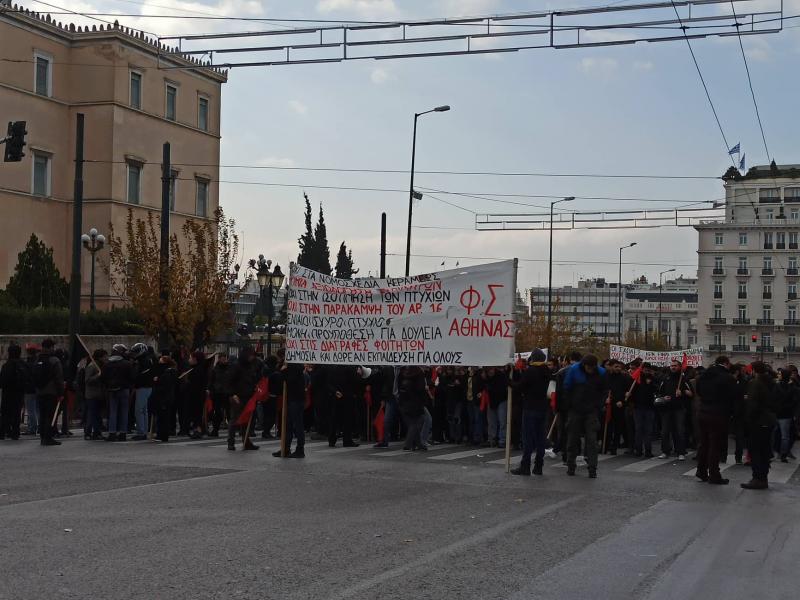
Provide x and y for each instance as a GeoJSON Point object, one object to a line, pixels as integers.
{"type": "Point", "coordinates": [49, 73]}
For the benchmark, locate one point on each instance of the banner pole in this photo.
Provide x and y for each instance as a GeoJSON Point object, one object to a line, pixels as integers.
{"type": "Point", "coordinates": [284, 437]}
{"type": "Point", "coordinates": [510, 401]}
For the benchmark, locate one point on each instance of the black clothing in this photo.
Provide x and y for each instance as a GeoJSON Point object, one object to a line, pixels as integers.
{"type": "Point", "coordinates": [145, 371]}
{"type": "Point", "coordinates": [118, 374]}
{"type": "Point", "coordinates": [412, 393]}
{"type": "Point", "coordinates": [341, 380]}
{"type": "Point", "coordinates": [644, 394]}
{"type": "Point", "coordinates": [162, 400]}
{"type": "Point", "coordinates": [669, 389]}
{"type": "Point", "coordinates": [716, 389]}
{"type": "Point", "coordinates": [533, 386]}
{"type": "Point", "coordinates": [13, 378]}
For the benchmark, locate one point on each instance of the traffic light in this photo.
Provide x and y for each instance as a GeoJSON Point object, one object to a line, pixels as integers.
{"type": "Point", "coordinates": [754, 338]}
{"type": "Point", "coordinates": [15, 141]}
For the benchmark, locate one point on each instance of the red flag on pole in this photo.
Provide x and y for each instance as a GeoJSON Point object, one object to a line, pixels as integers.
{"type": "Point", "coordinates": [260, 394]}
{"type": "Point", "coordinates": [608, 413]}
{"type": "Point", "coordinates": [378, 423]}
{"type": "Point", "coordinates": [434, 375]}
{"type": "Point", "coordinates": [368, 396]}
{"type": "Point", "coordinates": [637, 375]}
{"type": "Point", "coordinates": [684, 362]}
{"type": "Point", "coordinates": [209, 404]}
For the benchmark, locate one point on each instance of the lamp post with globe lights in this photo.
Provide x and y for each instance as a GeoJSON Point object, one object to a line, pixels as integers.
{"type": "Point", "coordinates": [93, 242]}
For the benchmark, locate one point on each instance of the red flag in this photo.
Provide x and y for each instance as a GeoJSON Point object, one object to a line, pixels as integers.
{"type": "Point", "coordinates": [748, 369]}
{"type": "Point", "coordinates": [378, 423]}
{"type": "Point", "coordinates": [553, 402]}
{"type": "Point", "coordinates": [209, 404]}
{"type": "Point", "coordinates": [434, 375]}
{"type": "Point", "coordinates": [685, 362]}
{"type": "Point", "coordinates": [637, 375]}
{"type": "Point", "coordinates": [484, 400]}
{"type": "Point", "coordinates": [70, 397]}
{"type": "Point", "coordinates": [260, 347]}
{"type": "Point", "coordinates": [520, 364]}
{"type": "Point", "coordinates": [259, 395]}
{"type": "Point", "coordinates": [308, 397]}
{"type": "Point", "coordinates": [368, 395]}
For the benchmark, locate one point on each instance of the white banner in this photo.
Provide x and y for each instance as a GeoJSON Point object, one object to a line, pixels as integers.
{"type": "Point", "coordinates": [463, 316]}
{"type": "Point", "coordinates": [694, 356]}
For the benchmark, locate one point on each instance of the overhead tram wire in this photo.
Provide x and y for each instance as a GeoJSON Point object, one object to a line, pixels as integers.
{"type": "Point", "coordinates": [750, 83]}
{"type": "Point", "coordinates": [703, 81]}
{"type": "Point", "coordinates": [555, 262]}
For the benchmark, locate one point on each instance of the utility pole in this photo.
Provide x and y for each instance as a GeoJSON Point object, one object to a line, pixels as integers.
{"type": "Point", "coordinates": [383, 245]}
{"type": "Point", "coordinates": [77, 225]}
{"type": "Point", "coordinates": [163, 266]}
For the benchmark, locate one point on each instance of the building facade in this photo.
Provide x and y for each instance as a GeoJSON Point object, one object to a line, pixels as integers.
{"type": "Point", "coordinates": [672, 309]}
{"type": "Point", "coordinates": [132, 106]}
{"type": "Point", "coordinates": [748, 267]}
{"type": "Point", "coordinates": [593, 305]}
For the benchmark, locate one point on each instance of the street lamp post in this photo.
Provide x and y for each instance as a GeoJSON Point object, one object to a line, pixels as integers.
{"type": "Point", "coordinates": [550, 274]}
{"type": "Point", "coordinates": [619, 293]}
{"type": "Point", "coordinates": [660, 287]}
{"type": "Point", "coordinates": [443, 108]}
{"type": "Point", "coordinates": [93, 242]}
{"type": "Point", "coordinates": [269, 280]}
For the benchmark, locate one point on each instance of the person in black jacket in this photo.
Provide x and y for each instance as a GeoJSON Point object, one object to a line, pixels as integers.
{"type": "Point", "coordinates": [293, 376]}
{"type": "Point", "coordinates": [497, 386]}
{"type": "Point", "coordinates": [195, 393]}
{"type": "Point", "coordinates": [165, 387]}
{"type": "Point", "coordinates": [619, 382]}
{"type": "Point", "coordinates": [674, 391]}
{"type": "Point", "coordinates": [644, 414]}
{"type": "Point", "coordinates": [220, 389]}
{"type": "Point", "coordinates": [533, 387]}
{"type": "Point", "coordinates": [144, 363]}
{"type": "Point", "coordinates": [118, 377]}
{"type": "Point", "coordinates": [716, 390]}
{"type": "Point", "coordinates": [412, 393]}
{"type": "Point", "coordinates": [48, 376]}
{"type": "Point", "coordinates": [759, 418]}
{"type": "Point", "coordinates": [786, 409]}
{"type": "Point", "coordinates": [586, 385]}
{"type": "Point", "coordinates": [562, 407]}
{"type": "Point", "coordinates": [739, 422]}
{"type": "Point", "coordinates": [244, 377]}
{"type": "Point", "coordinates": [342, 390]}
{"type": "Point", "coordinates": [13, 377]}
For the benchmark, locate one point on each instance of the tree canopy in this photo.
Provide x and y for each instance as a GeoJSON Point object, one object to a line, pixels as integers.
{"type": "Point", "coordinates": [344, 263]}
{"type": "Point", "coordinates": [36, 281]}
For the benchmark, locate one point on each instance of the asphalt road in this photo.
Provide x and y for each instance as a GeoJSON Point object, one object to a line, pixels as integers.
{"type": "Point", "coordinates": [192, 520]}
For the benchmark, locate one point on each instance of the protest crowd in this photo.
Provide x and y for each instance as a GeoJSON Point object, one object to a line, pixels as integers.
{"type": "Point", "coordinates": [572, 408]}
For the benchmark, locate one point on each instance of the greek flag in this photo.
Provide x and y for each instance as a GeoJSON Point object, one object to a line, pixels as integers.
{"type": "Point", "coordinates": [734, 150]}
{"type": "Point", "coordinates": [741, 163]}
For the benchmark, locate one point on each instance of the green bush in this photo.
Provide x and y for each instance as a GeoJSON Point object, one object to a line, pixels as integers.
{"type": "Point", "coordinates": [54, 321]}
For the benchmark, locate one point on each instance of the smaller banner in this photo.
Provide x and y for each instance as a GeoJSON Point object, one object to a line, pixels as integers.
{"type": "Point", "coordinates": [694, 356]}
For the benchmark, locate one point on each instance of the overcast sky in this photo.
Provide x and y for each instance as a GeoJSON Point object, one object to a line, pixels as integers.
{"type": "Point", "coordinates": [614, 110]}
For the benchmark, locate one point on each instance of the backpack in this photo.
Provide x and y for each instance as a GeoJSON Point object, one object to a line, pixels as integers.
{"type": "Point", "coordinates": [42, 372]}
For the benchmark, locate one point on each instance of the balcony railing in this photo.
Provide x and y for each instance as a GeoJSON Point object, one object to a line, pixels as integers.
{"type": "Point", "coordinates": [765, 348]}
{"type": "Point", "coordinates": [767, 245]}
{"type": "Point", "coordinates": [792, 245]}
{"type": "Point", "coordinates": [792, 295]}
{"type": "Point", "coordinates": [741, 348]}
{"type": "Point", "coordinates": [792, 272]}
{"type": "Point", "coordinates": [717, 321]}
{"type": "Point", "coordinates": [766, 295]}
{"type": "Point", "coordinates": [742, 271]}
{"type": "Point", "coordinates": [718, 271]}
{"type": "Point", "coordinates": [793, 322]}
{"type": "Point", "coordinates": [766, 271]}
{"type": "Point", "coordinates": [741, 321]}
{"type": "Point", "coordinates": [717, 295]}
{"type": "Point", "coordinates": [780, 246]}
{"type": "Point", "coordinates": [716, 347]}
{"type": "Point", "coordinates": [793, 349]}
{"type": "Point", "coordinates": [765, 321]}
{"type": "Point", "coordinates": [741, 295]}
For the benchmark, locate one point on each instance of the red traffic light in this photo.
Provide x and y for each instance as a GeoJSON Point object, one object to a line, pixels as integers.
{"type": "Point", "coordinates": [754, 338]}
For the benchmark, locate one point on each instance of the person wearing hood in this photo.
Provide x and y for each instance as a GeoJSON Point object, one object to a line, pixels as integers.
{"type": "Point", "coordinates": [342, 388]}
{"type": "Point", "coordinates": [716, 390]}
{"type": "Point", "coordinates": [48, 377]}
{"type": "Point", "coordinates": [118, 377]}
{"type": "Point", "coordinates": [13, 377]}
{"type": "Point", "coordinates": [587, 387]}
{"type": "Point", "coordinates": [533, 388]}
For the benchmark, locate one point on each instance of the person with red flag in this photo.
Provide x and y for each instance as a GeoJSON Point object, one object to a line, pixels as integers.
{"type": "Point", "coordinates": [244, 377]}
{"type": "Point", "coordinates": [673, 395]}
{"type": "Point", "coordinates": [643, 396]}
{"type": "Point", "coordinates": [293, 376]}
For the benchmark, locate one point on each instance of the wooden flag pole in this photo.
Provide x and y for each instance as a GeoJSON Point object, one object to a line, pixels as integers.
{"type": "Point", "coordinates": [508, 430]}
{"type": "Point", "coordinates": [246, 434]}
{"type": "Point", "coordinates": [55, 414]}
{"type": "Point", "coordinates": [284, 410]}
{"type": "Point", "coordinates": [151, 434]}
{"type": "Point", "coordinates": [552, 426]}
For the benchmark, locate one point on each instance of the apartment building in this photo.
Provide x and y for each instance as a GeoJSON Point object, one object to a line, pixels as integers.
{"type": "Point", "coordinates": [593, 304]}
{"type": "Point", "coordinates": [748, 267]}
{"type": "Point", "coordinates": [670, 308]}
{"type": "Point", "coordinates": [133, 101]}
